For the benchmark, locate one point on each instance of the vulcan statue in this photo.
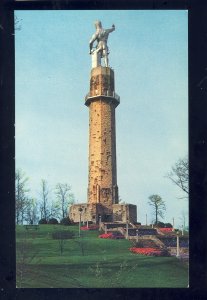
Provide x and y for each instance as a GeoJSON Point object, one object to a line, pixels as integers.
{"type": "Point", "coordinates": [101, 49]}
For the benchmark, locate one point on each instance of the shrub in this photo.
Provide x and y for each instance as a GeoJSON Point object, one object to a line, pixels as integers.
{"type": "Point", "coordinates": [106, 236]}
{"type": "Point", "coordinates": [166, 229]}
{"type": "Point", "coordinates": [42, 221]}
{"type": "Point", "coordinates": [149, 251]}
{"type": "Point", "coordinates": [91, 227]}
{"type": "Point", "coordinates": [111, 235]}
{"type": "Point", "coordinates": [160, 225]}
{"type": "Point", "coordinates": [62, 235]}
{"type": "Point", "coordinates": [168, 225]}
{"type": "Point", "coordinates": [53, 221]}
{"type": "Point", "coordinates": [66, 221]}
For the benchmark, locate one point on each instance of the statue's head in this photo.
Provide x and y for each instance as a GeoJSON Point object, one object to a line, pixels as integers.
{"type": "Point", "coordinates": [98, 24]}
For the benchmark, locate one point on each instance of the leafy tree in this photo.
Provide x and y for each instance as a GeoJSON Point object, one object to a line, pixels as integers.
{"type": "Point", "coordinates": [64, 197]}
{"type": "Point", "coordinates": [158, 206]}
{"type": "Point", "coordinates": [21, 195]}
{"type": "Point", "coordinates": [179, 174]}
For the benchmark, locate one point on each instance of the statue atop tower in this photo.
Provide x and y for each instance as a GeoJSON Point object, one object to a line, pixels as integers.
{"type": "Point", "coordinates": [101, 49]}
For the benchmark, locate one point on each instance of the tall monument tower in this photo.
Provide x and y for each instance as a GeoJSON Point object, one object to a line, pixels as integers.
{"type": "Point", "coordinates": [102, 101]}
{"type": "Point", "coordinates": [102, 197]}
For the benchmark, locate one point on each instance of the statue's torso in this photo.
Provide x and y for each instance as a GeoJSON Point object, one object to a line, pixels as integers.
{"type": "Point", "coordinates": [102, 35]}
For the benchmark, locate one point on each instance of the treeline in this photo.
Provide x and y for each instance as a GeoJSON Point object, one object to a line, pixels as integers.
{"type": "Point", "coordinates": [50, 204]}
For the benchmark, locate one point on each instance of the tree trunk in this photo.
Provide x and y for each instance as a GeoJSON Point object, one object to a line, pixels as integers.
{"type": "Point", "coordinates": [156, 220]}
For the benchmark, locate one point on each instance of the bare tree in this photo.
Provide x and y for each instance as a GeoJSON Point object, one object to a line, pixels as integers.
{"type": "Point", "coordinates": [158, 206]}
{"type": "Point", "coordinates": [22, 249]}
{"type": "Point", "coordinates": [21, 195]}
{"type": "Point", "coordinates": [183, 218]}
{"type": "Point", "coordinates": [81, 244]}
{"type": "Point", "coordinates": [61, 237]}
{"type": "Point", "coordinates": [55, 210]}
{"type": "Point", "coordinates": [44, 205]}
{"type": "Point", "coordinates": [31, 211]}
{"type": "Point", "coordinates": [65, 197]}
{"type": "Point", "coordinates": [61, 243]}
{"type": "Point", "coordinates": [26, 253]}
{"type": "Point", "coordinates": [179, 174]}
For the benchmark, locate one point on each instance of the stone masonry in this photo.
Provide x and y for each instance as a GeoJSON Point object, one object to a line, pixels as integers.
{"type": "Point", "coordinates": [102, 183]}
{"type": "Point", "coordinates": [92, 212]}
{"type": "Point", "coordinates": [103, 199]}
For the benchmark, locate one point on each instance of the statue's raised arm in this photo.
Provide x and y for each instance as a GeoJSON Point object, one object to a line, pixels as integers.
{"type": "Point", "coordinates": [101, 49]}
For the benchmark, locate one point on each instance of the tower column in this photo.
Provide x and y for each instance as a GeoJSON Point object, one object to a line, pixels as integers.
{"type": "Point", "coordinates": [102, 102]}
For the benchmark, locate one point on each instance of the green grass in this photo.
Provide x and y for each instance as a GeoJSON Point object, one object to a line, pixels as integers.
{"type": "Point", "coordinates": [89, 262]}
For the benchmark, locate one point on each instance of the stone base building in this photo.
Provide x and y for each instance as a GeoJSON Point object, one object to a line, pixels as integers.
{"type": "Point", "coordinates": [94, 212]}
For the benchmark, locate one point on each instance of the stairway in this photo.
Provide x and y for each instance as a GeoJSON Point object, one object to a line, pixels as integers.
{"type": "Point", "coordinates": [157, 241]}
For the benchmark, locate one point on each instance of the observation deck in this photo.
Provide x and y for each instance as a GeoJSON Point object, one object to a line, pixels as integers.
{"type": "Point", "coordinates": [108, 97]}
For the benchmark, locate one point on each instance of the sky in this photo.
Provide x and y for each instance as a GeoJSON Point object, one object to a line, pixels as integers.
{"type": "Point", "coordinates": [149, 55]}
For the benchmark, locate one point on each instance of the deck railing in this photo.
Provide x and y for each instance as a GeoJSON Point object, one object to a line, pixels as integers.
{"type": "Point", "coordinates": [107, 94]}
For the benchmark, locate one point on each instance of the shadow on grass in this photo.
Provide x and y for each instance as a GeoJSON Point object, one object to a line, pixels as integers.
{"type": "Point", "coordinates": [124, 274]}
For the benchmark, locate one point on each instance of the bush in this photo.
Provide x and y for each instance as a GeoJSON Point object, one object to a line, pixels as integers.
{"type": "Point", "coordinates": [149, 251]}
{"type": "Point", "coordinates": [62, 235]}
{"type": "Point", "coordinates": [106, 236]}
{"type": "Point", "coordinates": [160, 225]}
{"type": "Point", "coordinates": [91, 227]}
{"type": "Point", "coordinates": [42, 221]}
{"type": "Point", "coordinates": [66, 222]}
{"type": "Point", "coordinates": [166, 229]}
{"type": "Point", "coordinates": [168, 225]}
{"type": "Point", "coordinates": [53, 221]}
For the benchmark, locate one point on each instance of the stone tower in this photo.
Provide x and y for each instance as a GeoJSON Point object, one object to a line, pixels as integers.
{"type": "Point", "coordinates": [102, 102]}
{"type": "Point", "coordinates": [102, 197]}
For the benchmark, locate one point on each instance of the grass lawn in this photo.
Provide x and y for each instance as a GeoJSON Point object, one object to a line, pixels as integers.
{"type": "Point", "coordinates": [89, 262]}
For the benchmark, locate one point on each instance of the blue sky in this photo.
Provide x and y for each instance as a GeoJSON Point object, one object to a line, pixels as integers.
{"type": "Point", "coordinates": [148, 52]}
